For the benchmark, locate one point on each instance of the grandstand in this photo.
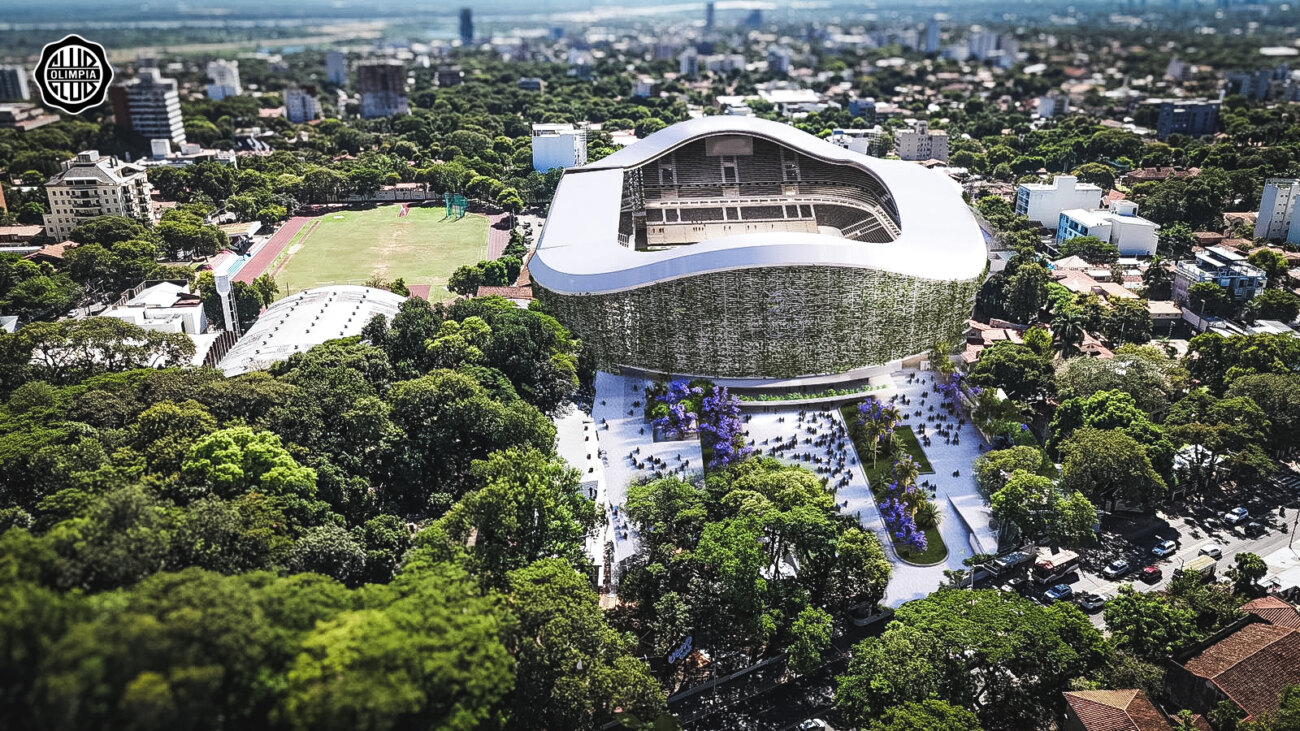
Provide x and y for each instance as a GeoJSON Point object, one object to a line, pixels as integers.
{"type": "Point", "coordinates": [740, 248]}
{"type": "Point", "coordinates": [727, 185]}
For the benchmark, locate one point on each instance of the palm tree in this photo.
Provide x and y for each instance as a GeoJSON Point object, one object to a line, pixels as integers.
{"type": "Point", "coordinates": [905, 471]}
{"type": "Point", "coordinates": [1156, 279]}
{"type": "Point", "coordinates": [1067, 328]}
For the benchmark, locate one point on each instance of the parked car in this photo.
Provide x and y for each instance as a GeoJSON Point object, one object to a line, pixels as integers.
{"type": "Point", "coordinates": [1091, 602]}
{"type": "Point", "coordinates": [1152, 574]}
{"type": "Point", "coordinates": [1116, 569]}
{"type": "Point", "coordinates": [1015, 585]}
{"type": "Point", "coordinates": [1164, 548]}
{"type": "Point", "coordinates": [1254, 529]}
{"type": "Point", "coordinates": [813, 724]}
{"type": "Point", "coordinates": [1235, 516]}
{"type": "Point", "coordinates": [1212, 550]}
{"type": "Point", "coordinates": [1058, 593]}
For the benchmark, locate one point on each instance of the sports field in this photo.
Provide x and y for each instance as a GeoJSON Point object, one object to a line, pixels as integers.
{"type": "Point", "coordinates": [352, 247]}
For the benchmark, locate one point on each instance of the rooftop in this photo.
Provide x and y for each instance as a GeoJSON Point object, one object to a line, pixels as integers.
{"type": "Point", "coordinates": [1251, 665]}
{"type": "Point", "coordinates": [304, 320]}
{"type": "Point", "coordinates": [1116, 710]}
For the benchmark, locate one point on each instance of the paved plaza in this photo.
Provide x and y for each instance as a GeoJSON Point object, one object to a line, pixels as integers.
{"type": "Point", "coordinates": [613, 447]}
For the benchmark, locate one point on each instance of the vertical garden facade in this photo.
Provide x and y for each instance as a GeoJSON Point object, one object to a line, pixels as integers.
{"type": "Point", "coordinates": [768, 322]}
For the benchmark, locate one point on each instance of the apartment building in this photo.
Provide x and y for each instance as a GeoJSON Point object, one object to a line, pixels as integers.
{"type": "Point", "coordinates": [92, 185]}
{"type": "Point", "coordinates": [301, 104]}
{"type": "Point", "coordinates": [383, 88]}
{"type": "Point", "coordinates": [150, 106]}
{"type": "Point", "coordinates": [1120, 224]}
{"type": "Point", "coordinates": [558, 146]}
{"type": "Point", "coordinates": [921, 143]}
{"type": "Point", "coordinates": [1277, 207]}
{"type": "Point", "coordinates": [1223, 266]}
{"type": "Point", "coordinates": [1043, 203]}
{"type": "Point", "coordinates": [223, 79]}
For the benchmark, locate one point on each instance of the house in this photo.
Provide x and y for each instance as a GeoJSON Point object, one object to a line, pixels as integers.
{"type": "Point", "coordinates": [19, 234]}
{"type": "Point", "coordinates": [1120, 225]}
{"type": "Point", "coordinates": [1273, 610]}
{"type": "Point", "coordinates": [1112, 710]}
{"type": "Point", "coordinates": [1249, 663]}
{"type": "Point", "coordinates": [161, 307]}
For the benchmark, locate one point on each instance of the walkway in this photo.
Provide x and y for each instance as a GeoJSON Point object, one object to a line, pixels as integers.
{"type": "Point", "coordinates": [261, 261]}
{"type": "Point", "coordinates": [498, 234]}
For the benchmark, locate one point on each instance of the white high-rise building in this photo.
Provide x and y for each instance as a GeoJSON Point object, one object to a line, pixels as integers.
{"type": "Point", "coordinates": [1277, 207]}
{"type": "Point", "coordinates": [301, 105]}
{"type": "Point", "coordinates": [688, 63]}
{"type": "Point", "coordinates": [558, 146]}
{"type": "Point", "coordinates": [223, 78]}
{"type": "Point", "coordinates": [150, 106]}
{"type": "Point", "coordinates": [932, 36]}
{"type": "Point", "coordinates": [89, 186]}
{"type": "Point", "coordinates": [13, 84]}
{"type": "Point", "coordinates": [778, 59]}
{"type": "Point", "coordinates": [336, 68]}
{"type": "Point", "coordinates": [1043, 203]}
{"type": "Point", "coordinates": [921, 143]}
{"type": "Point", "coordinates": [1053, 105]}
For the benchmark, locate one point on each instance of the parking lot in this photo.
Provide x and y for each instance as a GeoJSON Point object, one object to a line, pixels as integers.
{"type": "Point", "coordinates": [1272, 504]}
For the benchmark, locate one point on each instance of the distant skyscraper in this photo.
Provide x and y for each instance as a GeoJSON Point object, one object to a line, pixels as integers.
{"type": "Point", "coordinates": [13, 84]}
{"type": "Point", "coordinates": [708, 16]}
{"type": "Point", "coordinates": [336, 68]}
{"type": "Point", "coordinates": [383, 88]}
{"type": "Point", "coordinates": [150, 106]}
{"type": "Point", "coordinates": [466, 26]}
{"type": "Point", "coordinates": [224, 78]}
{"type": "Point", "coordinates": [755, 18]}
{"type": "Point", "coordinates": [932, 36]}
{"type": "Point", "coordinates": [301, 105]}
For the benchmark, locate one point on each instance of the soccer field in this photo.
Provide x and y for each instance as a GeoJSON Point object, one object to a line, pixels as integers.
{"type": "Point", "coordinates": [351, 247]}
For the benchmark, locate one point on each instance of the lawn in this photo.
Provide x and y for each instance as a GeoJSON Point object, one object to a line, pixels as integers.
{"type": "Point", "coordinates": [352, 247]}
{"type": "Point", "coordinates": [878, 477]}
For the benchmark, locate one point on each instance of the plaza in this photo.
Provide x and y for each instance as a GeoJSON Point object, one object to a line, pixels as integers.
{"type": "Point", "coordinates": [613, 447]}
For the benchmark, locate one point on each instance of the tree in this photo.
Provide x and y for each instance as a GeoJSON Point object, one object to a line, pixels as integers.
{"type": "Point", "coordinates": [1025, 294]}
{"type": "Point", "coordinates": [993, 652]}
{"type": "Point", "coordinates": [1127, 321]}
{"type": "Point", "coordinates": [1208, 299]}
{"type": "Point", "coordinates": [811, 636]}
{"type": "Point", "coordinates": [992, 468]}
{"type": "Point", "coordinates": [1069, 329]}
{"type": "Point", "coordinates": [927, 715]}
{"type": "Point", "coordinates": [1157, 281]}
{"type": "Point", "coordinates": [1273, 263]}
{"type": "Point", "coordinates": [1149, 625]}
{"type": "Point", "coordinates": [574, 671]}
{"type": "Point", "coordinates": [1226, 432]}
{"type": "Point", "coordinates": [1016, 369]}
{"type": "Point", "coordinates": [528, 508]}
{"type": "Point", "coordinates": [1278, 397]}
{"type": "Point", "coordinates": [108, 230]}
{"type": "Point", "coordinates": [1096, 173]}
{"type": "Point", "coordinates": [1274, 304]}
{"type": "Point", "coordinates": [330, 550]}
{"type": "Point", "coordinates": [1039, 339]}
{"type": "Point", "coordinates": [1107, 465]}
{"type": "Point", "coordinates": [1175, 241]}
{"type": "Point", "coordinates": [1090, 249]}
{"type": "Point", "coordinates": [1146, 374]}
{"type": "Point", "coordinates": [1038, 509]}
{"type": "Point", "coordinates": [71, 350]}
{"type": "Point", "coordinates": [1285, 718]}
{"type": "Point", "coordinates": [1247, 569]}
{"type": "Point", "coordinates": [430, 655]}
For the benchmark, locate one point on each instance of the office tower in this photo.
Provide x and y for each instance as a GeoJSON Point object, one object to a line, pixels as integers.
{"type": "Point", "coordinates": [466, 26]}
{"type": "Point", "coordinates": [336, 68]}
{"type": "Point", "coordinates": [13, 84]}
{"type": "Point", "coordinates": [383, 88]}
{"type": "Point", "coordinates": [708, 16]}
{"type": "Point", "coordinates": [301, 104]}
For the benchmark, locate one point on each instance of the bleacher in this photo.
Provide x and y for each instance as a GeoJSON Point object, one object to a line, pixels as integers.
{"type": "Point", "coordinates": [688, 186]}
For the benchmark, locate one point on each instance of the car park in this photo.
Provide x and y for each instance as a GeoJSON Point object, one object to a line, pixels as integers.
{"type": "Point", "coordinates": [1057, 593]}
{"type": "Point", "coordinates": [1236, 515]}
{"type": "Point", "coordinates": [1116, 569]}
{"type": "Point", "coordinates": [1164, 548]}
{"type": "Point", "coordinates": [1091, 602]}
{"type": "Point", "coordinates": [1212, 550]}
{"type": "Point", "coordinates": [1152, 574]}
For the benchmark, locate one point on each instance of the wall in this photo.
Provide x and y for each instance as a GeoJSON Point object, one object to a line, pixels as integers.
{"type": "Point", "coordinates": [777, 322]}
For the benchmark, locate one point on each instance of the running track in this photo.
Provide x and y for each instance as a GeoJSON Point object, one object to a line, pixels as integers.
{"type": "Point", "coordinates": [263, 258]}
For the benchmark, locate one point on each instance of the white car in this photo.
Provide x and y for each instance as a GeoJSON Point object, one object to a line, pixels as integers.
{"type": "Point", "coordinates": [1115, 569]}
{"type": "Point", "coordinates": [813, 724]}
{"type": "Point", "coordinates": [1164, 548]}
{"type": "Point", "coordinates": [1235, 516]}
{"type": "Point", "coordinates": [1213, 551]}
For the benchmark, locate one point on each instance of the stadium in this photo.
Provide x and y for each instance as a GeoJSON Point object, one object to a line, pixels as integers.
{"type": "Point", "coordinates": [740, 248]}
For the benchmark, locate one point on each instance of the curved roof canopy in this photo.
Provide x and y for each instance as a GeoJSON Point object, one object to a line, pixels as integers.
{"type": "Point", "coordinates": [304, 320]}
{"type": "Point", "coordinates": [579, 251]}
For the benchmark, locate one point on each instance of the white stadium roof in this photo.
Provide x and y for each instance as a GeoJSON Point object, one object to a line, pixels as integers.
{"type": "Point", "coordinates": [304, 320]}
{"type": "Point", "coordinates": [579, 251]}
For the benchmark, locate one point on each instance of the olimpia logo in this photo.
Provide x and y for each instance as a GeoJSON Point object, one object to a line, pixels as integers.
{"type": "Point", "coordinates": [73, 74]}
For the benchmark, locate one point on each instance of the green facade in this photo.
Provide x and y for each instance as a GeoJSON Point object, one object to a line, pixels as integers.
{"type": "Point", "coordinates": [776, 322]}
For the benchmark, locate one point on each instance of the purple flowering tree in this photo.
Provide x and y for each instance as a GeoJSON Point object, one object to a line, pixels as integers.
{"type": "Point", "coordinates": [877, 421]}
{"type": "Point", "coordinates": [720, 421]}
{"type": "Point", "coordinates": [673, 410]}
{"type": "Point", "coordinates": [902, 526]}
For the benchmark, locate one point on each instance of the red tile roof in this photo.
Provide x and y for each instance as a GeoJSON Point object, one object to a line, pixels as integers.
{"type": "Point", "coordinates": [1274, 611]}
{"type": "Point", "coordinates": [1116, 710]}
{"type": "Point", "coordinates": [1252, 666]}
{"type": "Point", "coordinates": [510, 293]}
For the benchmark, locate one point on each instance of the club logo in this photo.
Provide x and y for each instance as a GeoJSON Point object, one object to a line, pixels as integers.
{"type": "Point", "coordinates": [73, 74]}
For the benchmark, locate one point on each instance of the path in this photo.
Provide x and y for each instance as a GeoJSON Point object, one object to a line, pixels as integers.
{"type": "Point", "coordinates": [261, 261]}
{"type": "Point", "coordinates": [497, 238]}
